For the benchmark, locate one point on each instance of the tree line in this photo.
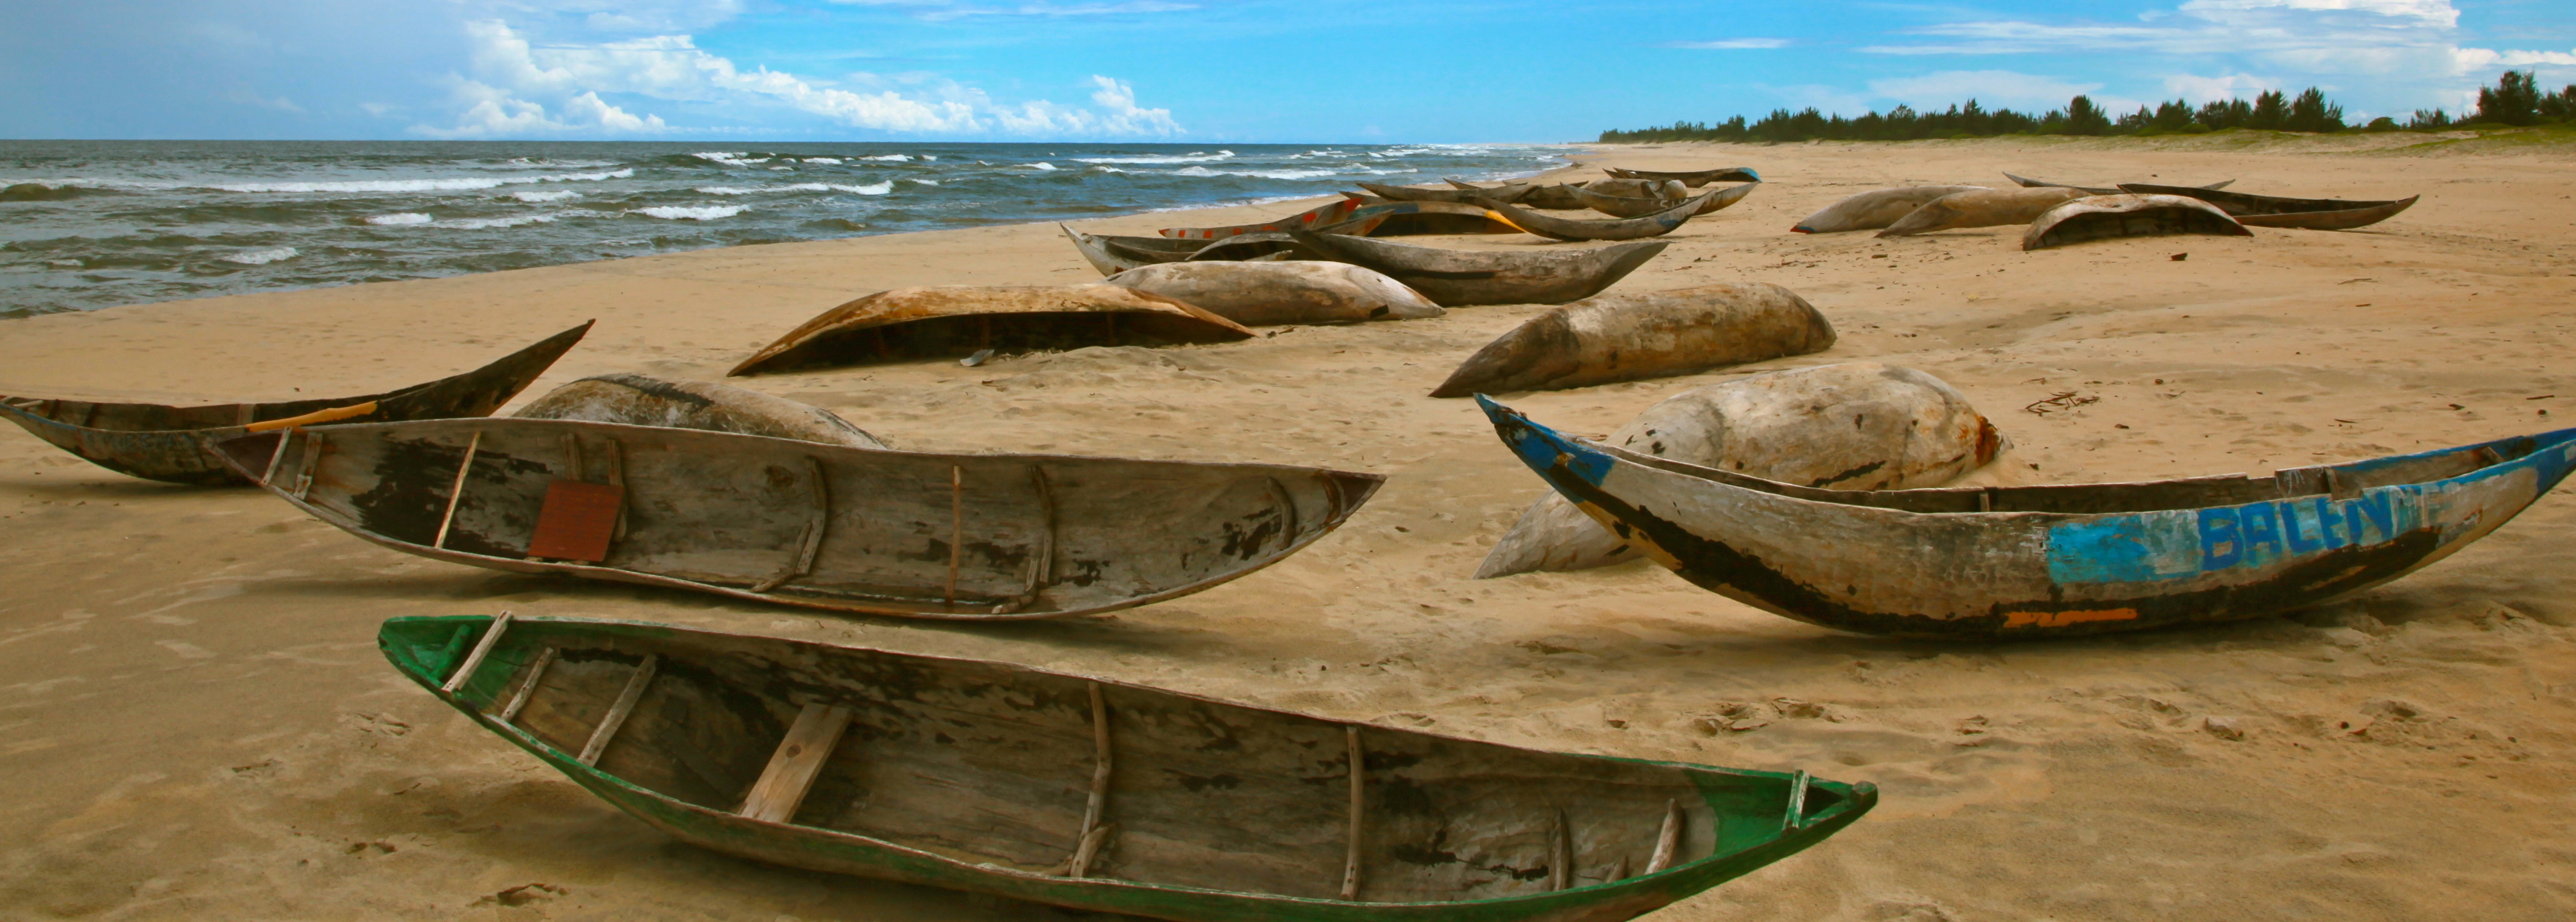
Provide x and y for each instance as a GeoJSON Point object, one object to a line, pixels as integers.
{"type": "Point", "coordinates": [2515, 99]}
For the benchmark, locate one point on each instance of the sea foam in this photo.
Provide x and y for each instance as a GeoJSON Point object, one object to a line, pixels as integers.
{"type": "Point", "coordinates": [407, 217]}
{"type": "Point", "coordinates": [681, 213]}
{"type": "Point", "coordinates": [259, 257]}
{"type": "Point", "coordinates": [418, 185]}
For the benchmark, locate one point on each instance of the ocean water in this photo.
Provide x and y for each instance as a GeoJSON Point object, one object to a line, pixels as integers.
{"type": "Point", "coordinates": [90, 224]}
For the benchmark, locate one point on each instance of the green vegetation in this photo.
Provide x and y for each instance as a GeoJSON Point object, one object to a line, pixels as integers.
{"type": "Point", "coordinates": [2516, 99]}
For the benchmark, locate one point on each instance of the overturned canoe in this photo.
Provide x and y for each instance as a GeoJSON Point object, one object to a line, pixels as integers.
{"type": "Point", "coordinates": [1652, 225]}
{"type": "Point", "coordinates": [1310, 219]}
{"type": "Point", "coordinates": [2049, 560]}
{"type": "Point", "coordinates": [1667, 189]}
{"type": "Point", "coordinates": [167, 443]}
{"type": "Point", "coordinates": [1691, 178]}
{"type": "Point", "coordinates": [998, 778]}
{"type": "Point", "coordinates": [1275, 293]}
{"type": "Point", "coordinates": [942, 321]}
{"type": "Point", "coordinates": [1553, 197]}
{"type": "Point", "coordinates": [2273, 211]}
{"type": "Point", "coordinates": [1625, 207]}
{"type": "Point", "coordinates": [1458, 196]}
{"type": "Point", "coordinates": [802, 523]}
{"type": "Point", "coordinates": [1505, 191]}
{"type": "Point", "coordinates": [1459, 278]}
{"type": "Point", "coordinates": [1874, 209]}
{"type": "Point", "coordinates": [1851, 426]}
{"type": "Point", "coordinates": [1627, 337]}
{"type": "Point", "coordinates": [2029, 183]}
{"type": "Point", "coordinates": [1981, 208]}
{"type": "Point", "coordinates": [642, 400]}
{"type": "Point", "coordinates": [2098, 217]}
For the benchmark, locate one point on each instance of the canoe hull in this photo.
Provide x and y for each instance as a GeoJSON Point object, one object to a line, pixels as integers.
{"type": "Point", "coordinates": [426, 651]}
{"type": "Point", "coordinates": [1694, 178]}
{"type": "Point", "coordinates": [184, 456]}
{"type": "Point", "coordinates": [2105, 217]}
{"type": "Point", "coordinates": [1460, 278]}
{"type": "Point", "coordinates": [1653, 225]}
{"type": "Point", "coordinates": [1926, 563]}
{"type": "Point", "coordinates": [2275, 211]}
{"type": "Point", "coordinates": [870, 531]}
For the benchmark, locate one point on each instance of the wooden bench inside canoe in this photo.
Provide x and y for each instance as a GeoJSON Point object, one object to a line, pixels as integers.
{"type": "Point", "coordinates": [1094, 794]}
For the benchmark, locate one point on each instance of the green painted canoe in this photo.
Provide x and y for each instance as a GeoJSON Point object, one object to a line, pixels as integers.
{"type": "Point", "coordinates": [1098, 795]}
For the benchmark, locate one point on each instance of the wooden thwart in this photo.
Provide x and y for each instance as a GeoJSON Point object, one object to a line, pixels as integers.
{"type": "Point", "coordinates": [1359, 781]}
{"type": "Point", "coordinates": [536, 674]}
{"type": "Point", "coordinates": [1088, 847]}
{"type": "Point", "coordinates": [1560, 853]}
{"type": "Point", "coordinates": [956, 526]}
{"type": "Point", "coordinates": [798, 761]}
{"type": "Point", "coordinates": [1797, 818]}
{"type": "Point", "coordinates": [456, 491]}
{"type": "Point", "coordinates": [617, 713]}
{"type": "Point", "coordinates": [474, 660]}
{"type": "Point", "coordinates": [1670, 840]}
{"type": "Point", "coordinates": [810, 543]}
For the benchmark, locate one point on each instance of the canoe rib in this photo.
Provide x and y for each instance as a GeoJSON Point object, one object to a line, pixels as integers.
{"type": "Point", "coordinates": [1239, 820]}
{"type": "Point", "coordinates": [385, 483]}
{"type": "Point", "coordinates": [172, 444]}
{"type": "Point", "coordinates": [2057, 560]}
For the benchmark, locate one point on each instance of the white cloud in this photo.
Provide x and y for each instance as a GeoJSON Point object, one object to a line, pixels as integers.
{"type": "Point", "coordinates": [2204, 89]}
{"type": "Point", "coordinates": [2402, 48]}
{"type": "Point", "coordinates": [493, 112]}
{"type": "Point", "coordinates": [248, 97]}
{"type": "Point", "coordinates": [1992, 88]}
{"type": "Point", "coordinates": [1124, 117]}
{"type": "Point", "coordinates": [513, 75]}
{"type": "Point", "coordinates": [1729, 44]}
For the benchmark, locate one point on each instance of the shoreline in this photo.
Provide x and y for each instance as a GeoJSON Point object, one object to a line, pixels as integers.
{"type": "Point", "coordinates": [203, 729]}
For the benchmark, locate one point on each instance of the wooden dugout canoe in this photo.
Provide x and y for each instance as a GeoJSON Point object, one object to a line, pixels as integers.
{"type": "Point", "coordinates": [1115, 254]}
{"type": "Point", "coordinates": [941, 321]}
{"type": "Point", "coordinates": [1627, 337]}
{"type": "Point", "coordinates": [1310, 219]}
{"type": "Point", "coordinates": [802, 523]}
{"type": "Point", "coordinates": [1653, 225]}
{"type": "Point", "coordinates": [1460, 278]}
{"type": "Point", "coordinates": [2273, 211]}
{"type": "Point", "coordinates": [1691, 178]}
{"type": "Point", "coordinates": [1554, 196]}
{"type": "Point", "coordinates": [171, 444]}
{"type": "Point", "coordinates": [2029, 183]}
{"type": "Point", "coordinates": [1628, 207]}
{"type": "Point", "coordinates": [1981, 563]}
{"type": "Point", "coordinates": [2100, 217]}
{"type": "Point", "coordinates": [1507, 192]}
{"type": "Point", "coordinates": [1409, 219]}
{"type": "Point", "coordinates": [1098, 795]}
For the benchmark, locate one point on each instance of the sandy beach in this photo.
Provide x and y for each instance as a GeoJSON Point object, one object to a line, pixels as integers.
{"type": "Point", "coordinates": [195, 722]}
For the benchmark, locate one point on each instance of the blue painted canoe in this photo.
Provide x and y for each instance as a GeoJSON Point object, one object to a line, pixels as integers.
{"type": "Point", "coordinates": [2047, 560]}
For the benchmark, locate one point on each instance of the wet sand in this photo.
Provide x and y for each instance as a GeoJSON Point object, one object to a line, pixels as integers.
{"type": "Point", "coordinates": [195, 723]}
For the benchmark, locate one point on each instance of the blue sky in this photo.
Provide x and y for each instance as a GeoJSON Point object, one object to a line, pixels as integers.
{"type": "Point", "coordinates": [1193, 71]}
